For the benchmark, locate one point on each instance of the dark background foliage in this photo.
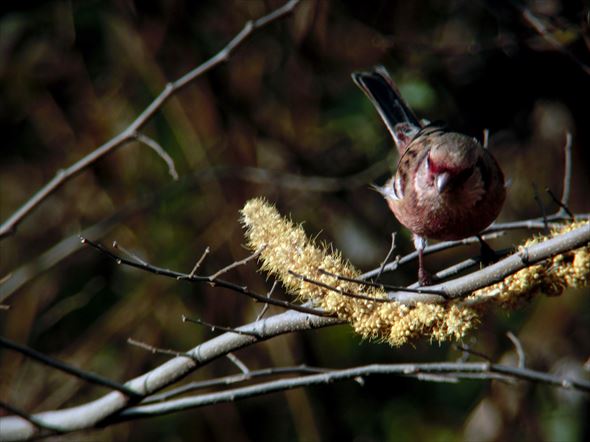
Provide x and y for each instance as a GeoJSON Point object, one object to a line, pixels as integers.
{"type": "Point", "coordinates": [74, 74]}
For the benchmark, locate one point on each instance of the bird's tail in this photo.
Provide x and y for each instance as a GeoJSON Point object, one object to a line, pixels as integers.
{"type": "Point", "coordinates": [401, 122]}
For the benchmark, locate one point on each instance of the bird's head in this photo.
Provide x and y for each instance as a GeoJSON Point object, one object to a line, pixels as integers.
{"type": "Point", "coordinates": [452, 161]}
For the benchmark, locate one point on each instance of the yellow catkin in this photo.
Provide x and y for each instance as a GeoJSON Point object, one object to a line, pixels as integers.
{"type": "Point", "coordinates": [286, 251]}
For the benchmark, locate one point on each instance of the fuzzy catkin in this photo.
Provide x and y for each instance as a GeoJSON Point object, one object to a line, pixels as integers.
{"type": "Point", "coordinates": [286, 252]}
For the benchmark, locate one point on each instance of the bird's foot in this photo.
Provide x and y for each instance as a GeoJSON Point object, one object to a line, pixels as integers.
{"type": "Point", "coordinates": [424, 277]}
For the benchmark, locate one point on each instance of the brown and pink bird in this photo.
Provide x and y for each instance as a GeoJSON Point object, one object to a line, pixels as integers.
{"type": "Point", "coordinates": [447, 185]}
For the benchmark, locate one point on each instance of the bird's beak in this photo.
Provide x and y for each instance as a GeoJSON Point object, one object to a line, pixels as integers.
{"type": "Point", "coordinates": [386, 191]}
{"type": "Point", "coordinates": [380, 189]}
{"type": "Point", "coordinates": [442, 181]}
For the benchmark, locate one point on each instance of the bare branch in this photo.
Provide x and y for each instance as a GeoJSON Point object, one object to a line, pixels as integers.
{"type": "Point", "coordinates": [470, 351]}
{"type": "Point", "coordinates": [235, 264]}
{"type": "Point", "coordinates": [88, 415]}
{"type": "Point", "coordinates": [232, 379]}
{"type": "Point", "coordinates": [445, 245]}
{"type": "Point", "coordinates": [215, 283]}
{"type": "Point", "coordinates": [214, 327]}
{"type": "Point", "coordinates": [391, 249]}
{"type": "Point", "coordinates": [336, 289]}
{"type": "Point", "coordinates": [464, 285]}
{"type": "Point", "coordinates": [131, 255]}
{"type": "Point", "coordinates": [567, 174]}
{"type": "Point", "coordinates": [238, 363]}
{"type": "Point", "coordinates": [157, 350]}
{"type": "Point", "coordinates": [534, 223]}
{"type": "Point", "coordinates": [84, 375]}
{"type": "Point", "coordinates": [567, 180]}
{"type": "Point", "coordinates": [265, 307]}
{"type": "Point", "coordinates": [199, 262]}
{"type": "Point", "coordinates": [563, 207]}
{"type": "Point", "coordinates": [379, 285]}
{"type": "Point", "coordinates": [9, 226]}
{"type": "Point", "coordinates": [454, 369]}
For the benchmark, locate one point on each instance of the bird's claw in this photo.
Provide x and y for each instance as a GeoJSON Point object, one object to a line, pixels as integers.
{"type": "Point", "coordinates": [424, 277]}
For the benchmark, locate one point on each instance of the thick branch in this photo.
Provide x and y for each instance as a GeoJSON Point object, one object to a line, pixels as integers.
{"type": "Point", "coordinates": [533, 254]}
{"type": "Point", "coordinates": [457, 370]}
{"type": "Point", "coordinates": [91, 414]}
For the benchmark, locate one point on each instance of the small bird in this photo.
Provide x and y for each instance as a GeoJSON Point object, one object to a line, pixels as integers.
{"type": "Point", "coordinates": [447, 185]}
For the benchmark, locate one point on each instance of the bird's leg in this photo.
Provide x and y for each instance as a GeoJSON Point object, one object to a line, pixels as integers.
{"type": "Point", "coordinates": [424, 277]}
{"type": "Point", "coordinates": [488, 255]}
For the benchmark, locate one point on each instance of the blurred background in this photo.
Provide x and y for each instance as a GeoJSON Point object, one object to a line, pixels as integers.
{"type": "Point", "coordinates": [74, 74]}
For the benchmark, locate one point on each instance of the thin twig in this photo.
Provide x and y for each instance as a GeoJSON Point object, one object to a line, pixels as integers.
{"type": "Point", "coordinates": [445, 245]}
{"type": "Point", "coordinates": [519, 350]}
{"type": "Point", "coordinates": [235, 264]}
{"type": "Point", "coordinates": [562, 206]}
{"type": "Point", "coordinates": [468, 350]}
{"type": "Point", "coordinates": [410, 370]}
{"type": "Point", "coordinates": [441, 378]}
{"type": "Point", "coordinates": [567, 174]}
{"type": "Point", "coordinates": [465, 285]}
{"type": "Point", "coordinates": [214, 327]}
{"type": "Point", "coordinates": [232, 379]}
{"type": "Point", "coordinates": [337, 290]}
{"type": "Point", "coordinates": [199, 262]}
{"type": "Point", "coordinates": [238, 363]}
{"type": "Point", "coordinates": [381, 285]}
{"type": "Point", "coordinates": [455, 269]}
{"type": "Point", "coordinates": [391, 249]}
{"type": "Point", "coordinates": [55, 363]}
{"type": "Point", "coordinates": [130, 254]}
{"type": "Point", "coordinates": [155, 146]}
{"type": "Point", "coordinates": [9, 226]}
{"type": "Point", "coordinates": [216, 283]}
{"type": "Point", "coordinates": [266, 305]}
{"type": "Point", "coordinates": [157, 350]}
{"type": "Point", "coordinates": [533, 223]}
